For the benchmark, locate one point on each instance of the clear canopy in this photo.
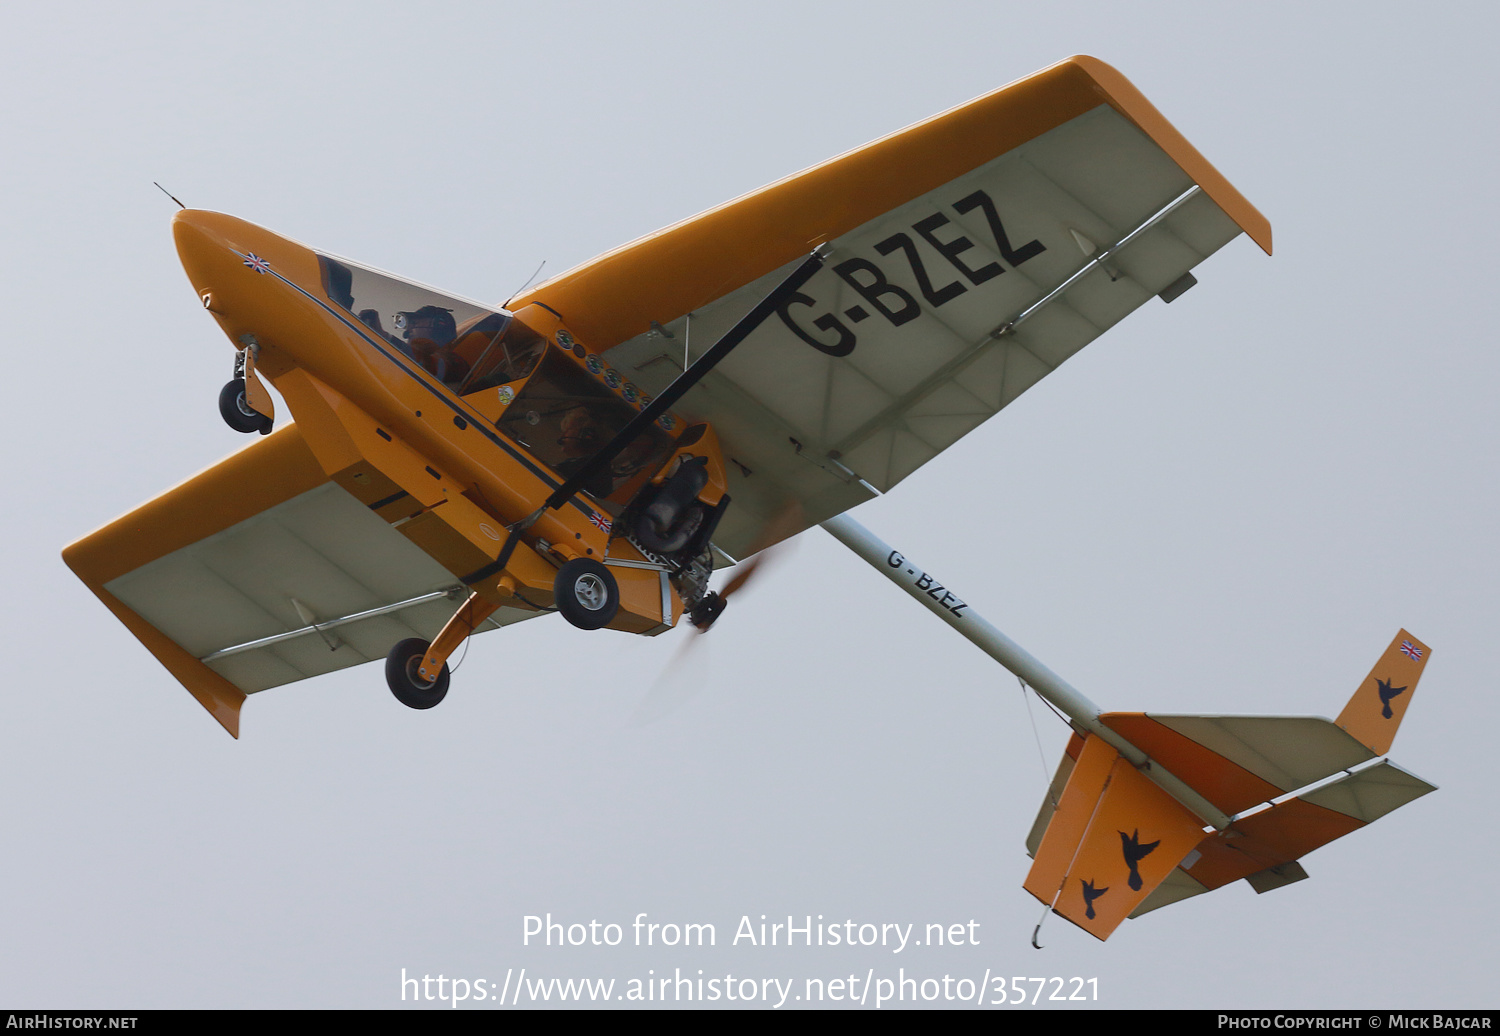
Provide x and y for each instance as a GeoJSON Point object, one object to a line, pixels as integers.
{"type": "Point", "coordinates": [464, 345]}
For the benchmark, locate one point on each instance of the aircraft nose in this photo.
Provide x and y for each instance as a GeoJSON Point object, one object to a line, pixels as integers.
{"type": "Point", "coordinates": [201, 246]}
{"type": "Point", "coordinates": [223, 255]}
{"type": "Point", "coordinates": [188, 224]}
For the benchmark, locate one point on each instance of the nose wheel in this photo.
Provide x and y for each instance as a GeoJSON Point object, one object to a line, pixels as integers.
{"type": "Point", "coordinates": [706, 611]}
{"type": "Point", "coordinates": [236, 411]}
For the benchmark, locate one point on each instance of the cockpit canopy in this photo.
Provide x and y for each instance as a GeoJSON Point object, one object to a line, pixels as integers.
{"type": "Point", "coordinates": [461, 343]}
{"type": "Point", "coordinates": [562, 414]}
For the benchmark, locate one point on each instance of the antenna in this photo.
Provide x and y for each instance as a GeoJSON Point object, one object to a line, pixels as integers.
{"type": "Point", "coordinates": [169, 194]}
{"type": "Point", "coordinates": [518, 290]}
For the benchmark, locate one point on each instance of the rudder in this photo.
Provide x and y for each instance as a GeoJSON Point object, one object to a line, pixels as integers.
{"type": "Point", "coordinates": [1374, 713]}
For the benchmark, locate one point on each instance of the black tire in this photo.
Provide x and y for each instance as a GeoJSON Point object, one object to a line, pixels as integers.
{"type": "Point", "coordinates": [401, 674]}
{"type": "Point", "coordinates": [586, 593]}
{"type": "Point", "coordinates": [236, 411]}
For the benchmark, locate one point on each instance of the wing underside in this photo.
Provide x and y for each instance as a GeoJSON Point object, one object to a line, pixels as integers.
{"type": "Point", "coordinates": [971, 256]}
{"type": "Point", "coordinates": [262, 571]}
{"type": "Point", "coordinates": [316, 584]}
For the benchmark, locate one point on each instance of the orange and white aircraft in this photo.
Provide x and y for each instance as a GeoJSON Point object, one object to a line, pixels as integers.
{"type": "Point", "coordinates": [603, 442]}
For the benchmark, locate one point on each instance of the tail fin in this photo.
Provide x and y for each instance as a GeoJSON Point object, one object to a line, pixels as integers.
{"type": "Point", "coordinates": [1374, 713]}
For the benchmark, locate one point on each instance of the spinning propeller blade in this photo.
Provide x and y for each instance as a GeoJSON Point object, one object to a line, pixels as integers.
{"type": "Point", "coordinates": [675, 686]}
{"type": "Point", "coordinates": [781, 528]}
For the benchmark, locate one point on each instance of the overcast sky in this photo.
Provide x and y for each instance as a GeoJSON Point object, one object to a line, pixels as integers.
{"type": "Point", "coordinates": [1228, 505]}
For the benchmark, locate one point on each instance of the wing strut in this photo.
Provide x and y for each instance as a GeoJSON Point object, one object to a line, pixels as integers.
{"type": "Point", "coordinates": [323, 627]}
{"type": "Point", "coordinates": [660, 405]}
{"type": "Point", "coordinates": [690, 377]}
{"type": "Point", "coordinates": [1098, 261]}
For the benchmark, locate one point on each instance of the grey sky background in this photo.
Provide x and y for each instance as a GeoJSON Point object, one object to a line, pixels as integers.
{"type": "Point", "coordinates": [1228, 505]}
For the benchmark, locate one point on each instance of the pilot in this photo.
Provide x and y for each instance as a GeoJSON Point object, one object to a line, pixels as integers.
{"type": "Point", "coordinates": [429, 334]}
{"type": "Point", "coordinates": [340, 283]}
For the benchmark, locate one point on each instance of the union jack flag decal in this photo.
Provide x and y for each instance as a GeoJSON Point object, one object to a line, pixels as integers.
{"type": "Point", "coordinates": [601, 521]}
{"type": "Point", "coordinates": [1410, 650]}
{"type": "Point", "coordinates": [256, 263]}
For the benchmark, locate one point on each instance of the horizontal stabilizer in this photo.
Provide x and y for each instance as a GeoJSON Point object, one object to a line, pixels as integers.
{"type": "Point", "coordinates": [1371, 793]}
{"type": "Point", "coordinates": [1263, 847]}
{"type": "Point", "coordinates": [1114, 838]}
{"type": "Point", "coordinates": [1289, 785]}
{"type": "Point", "coordinates": [1237, 762]}
{"type": "Point", "coordinates": [1179, 885]}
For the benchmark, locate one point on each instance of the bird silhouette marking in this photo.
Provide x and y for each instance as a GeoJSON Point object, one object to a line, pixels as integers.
{"type": "Point", "coordinates": [1135, 852]}
{"type": "Point", "coordinates": [1089, 895]}
{"type": "Point", "coordinates": [1387, 692]}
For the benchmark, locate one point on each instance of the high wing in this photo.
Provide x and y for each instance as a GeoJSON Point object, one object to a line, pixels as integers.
{"type": "Point", "coordinates": [966, 257]}
{"type": "Point", "coordinates": [261, 571]}
{"type": "Point", "coordinates": [971, 254]}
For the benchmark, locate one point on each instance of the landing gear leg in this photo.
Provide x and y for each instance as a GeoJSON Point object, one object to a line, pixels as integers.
{"type": "Point", "coordinates": [417, 672]}
{"type": "Point", "coordinates": [244, 403]}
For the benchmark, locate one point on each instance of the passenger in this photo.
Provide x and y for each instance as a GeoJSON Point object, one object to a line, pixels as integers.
{"type": "Point", "coordinates": [583, 433]}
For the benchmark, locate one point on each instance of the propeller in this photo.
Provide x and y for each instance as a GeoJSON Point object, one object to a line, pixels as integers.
{"type": "Point", "coordinates": [771, 541]}
{"type": "Point", "coordinates": [673, 688]}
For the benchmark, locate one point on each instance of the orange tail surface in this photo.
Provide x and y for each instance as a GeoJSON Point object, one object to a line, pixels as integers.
{"type": "Point", "coordinates": [1117, 845]}
{"type": "Point", "coordinates": [1375, 711]}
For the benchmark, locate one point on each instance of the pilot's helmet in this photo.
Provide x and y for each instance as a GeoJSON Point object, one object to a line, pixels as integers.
{"type": "Point", "coordinates": [430, 323]}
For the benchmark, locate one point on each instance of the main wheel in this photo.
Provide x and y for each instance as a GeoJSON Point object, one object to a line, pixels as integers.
{"type": "Point", "coordinates": [401, 673]}
{"type": "Point", "coordinates": [237, 412]}
{"type": "Point", "coordinates": [586, 593]}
